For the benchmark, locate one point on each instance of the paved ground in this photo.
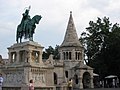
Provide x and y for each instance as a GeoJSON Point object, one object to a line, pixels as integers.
{"type": "Point", "coordinates": [103, 89]}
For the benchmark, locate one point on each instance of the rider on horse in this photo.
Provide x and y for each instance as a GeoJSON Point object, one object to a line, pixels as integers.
{"type": "Point", "coordinates": [27, 26]}
{"type": "Point", "coordinates": [25, 19]}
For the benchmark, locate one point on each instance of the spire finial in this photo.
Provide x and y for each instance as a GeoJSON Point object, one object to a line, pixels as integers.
{"type": "Point", "coordinates": [70, 12]}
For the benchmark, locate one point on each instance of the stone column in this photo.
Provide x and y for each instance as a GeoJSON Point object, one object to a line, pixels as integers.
{"type": "Point", "coordinates": [82, 52]}
{"type": "Point", "coordinates": [73, 54]}
{"type": "Point", "coordinates": [26, 56]}
{"type": "Point", "coordinates": [17, 58]}
{"type": "Point", "coordinates": [26, 75]}
{"type": "Point", "coordinates": [9, 54]}
{"type": "Point", "coordinates": [64, 55]}
{"type": "Point", "coordinates": [29, 56]}
{"type": "Point", "coordinates": [40, 57]}
{"type": "Point", "coordinates": [25, 84]}
{"type": "Point", "coordinates": [81, 84]}
{"type": "Point", "coordinates": [91, 82]}
{"type": "Point", "coordinates": [61, 55]}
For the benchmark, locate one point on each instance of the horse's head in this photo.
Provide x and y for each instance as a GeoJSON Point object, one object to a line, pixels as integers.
{"type": "Point", "coordinates": [37, 18]}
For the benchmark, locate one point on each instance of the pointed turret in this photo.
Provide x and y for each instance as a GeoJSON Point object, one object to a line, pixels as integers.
{"type": "Point", "coordinates": [72, 54]}
{"type": "Point", "coordinates": [71, 38]}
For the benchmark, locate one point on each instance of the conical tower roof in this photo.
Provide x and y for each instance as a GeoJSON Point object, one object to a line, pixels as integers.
{"type": "Point", "coordinates": [71, 37]}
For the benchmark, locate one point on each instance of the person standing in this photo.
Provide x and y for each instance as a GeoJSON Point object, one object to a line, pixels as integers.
{"type": "Point", "coordinates": [113, 83]}
{"type": "Point", "coordinates": [31, 85]}
{"type": "Point", "coordinates": [1, 81]}
{"type": "Point", "coordinates": [26, 18]}
{"type": "Point", "coordinates": [70, 83]}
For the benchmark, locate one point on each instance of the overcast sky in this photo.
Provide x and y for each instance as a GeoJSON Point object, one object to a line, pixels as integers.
{"type": "Point", "coordinates": [55, 14]}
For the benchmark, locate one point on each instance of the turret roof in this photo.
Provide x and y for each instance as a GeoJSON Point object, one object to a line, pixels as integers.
{"type": "Point", "coordinates": [71, 38]}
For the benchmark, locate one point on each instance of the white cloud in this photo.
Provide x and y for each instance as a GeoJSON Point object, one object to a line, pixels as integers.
{"type": "Point", "coordinates": [113, 5]}
{"type": "Point", "coordinates": [55, 15]}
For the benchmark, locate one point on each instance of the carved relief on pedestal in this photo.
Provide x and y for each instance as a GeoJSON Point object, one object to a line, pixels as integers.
{"type": "Point", "coordinates": [13, 77]}
{"type": "Point", "coordinates": [38, 77]}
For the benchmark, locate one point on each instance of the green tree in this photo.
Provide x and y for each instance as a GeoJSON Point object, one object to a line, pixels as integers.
{"type": "Point", "coordinates": [56, 53]}
{"type": "Point", "coordinates": [52, 51]}
{"type": "Point", "coordinates": [47, 52]}
{"type": "Point", "coordinates": [102, 46]}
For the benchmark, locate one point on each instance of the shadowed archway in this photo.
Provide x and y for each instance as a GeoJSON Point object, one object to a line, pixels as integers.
{"type": "Point", "coordinates": [55, 78]}
{"type": "Point", "coordinates": [86, 80]}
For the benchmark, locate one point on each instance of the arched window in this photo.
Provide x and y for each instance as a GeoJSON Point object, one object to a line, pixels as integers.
{"type": "Point", "coordinates": [79, 56]}
{"type": "Point", "coordinates": [70, 55]}
{"type": "Point", "coordinates": [13, 57]}
{"type": "Point", "coordinates": [55, 78]}
{"type": "Point", "coordinates": [66, 74]}
{"type": "Point", "coordinates": [76, 55]}
{"type": "Point", "coordinates": [22, 55]}
{"type": "Point", "coordinates": [76, 79]}
{"type": "Point", "coordinates": [86, 80]}
{"type": "Point", "coordinates": [67, 55]}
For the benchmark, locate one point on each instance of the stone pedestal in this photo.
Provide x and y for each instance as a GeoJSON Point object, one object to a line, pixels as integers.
{"type": "Point", "coordinates": [26, 52]}
{"type": "Point", "coordinates": [25, 63]}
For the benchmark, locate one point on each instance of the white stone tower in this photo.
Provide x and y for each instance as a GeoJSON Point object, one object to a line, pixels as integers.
{"type": "Point", "coordinates": [72, 54]}
{"type": "Point", "coordinates": [71, 50]}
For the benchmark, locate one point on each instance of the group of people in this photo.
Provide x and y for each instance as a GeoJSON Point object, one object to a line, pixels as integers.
{"type": "Point", "coordinates": [70, 85]}
{"type": "Point", "coordinates": [31, 83]}
{"type": "Point", "coordinates": [110, 83]}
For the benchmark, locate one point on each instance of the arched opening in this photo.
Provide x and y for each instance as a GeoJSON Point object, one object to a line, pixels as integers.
{"type": "Point", "coordinates": [76, 55]}
{"type": "Point", "coordinates": [66, 74]}
{"type": "Point", "coordinates": [86, 80]}
{"type": "Point", "coordinates": [69, 55]}
{"type": "Point", "coordinates": [22, 56]}
{"type": "Point", "coordinates": [55, 78]}
{"type": "Point", "coordinates": [13, 57]}
{"type": "Point", "coordinates": [79, 56]}
{"type": "Point", "coordinates": [35, 56]}
{"type": "Point", "coordinates": [76, 79]}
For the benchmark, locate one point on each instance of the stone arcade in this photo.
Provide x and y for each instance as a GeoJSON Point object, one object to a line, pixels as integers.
{"type": "Point", "coordinates": [25, 63]}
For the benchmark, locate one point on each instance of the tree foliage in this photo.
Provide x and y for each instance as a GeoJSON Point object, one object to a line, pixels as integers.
{"type": "Point", "coordinates": [51, 50]}
{"type": "Point", "coordinates": [102, 46]}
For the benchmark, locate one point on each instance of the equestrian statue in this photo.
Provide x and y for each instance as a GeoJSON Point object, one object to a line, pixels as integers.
{"type": "Point", "coordinates": [27, 26]}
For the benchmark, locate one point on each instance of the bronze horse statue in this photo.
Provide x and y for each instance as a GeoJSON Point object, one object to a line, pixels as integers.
{"type": "Point", "coordinates": [28, 30]}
